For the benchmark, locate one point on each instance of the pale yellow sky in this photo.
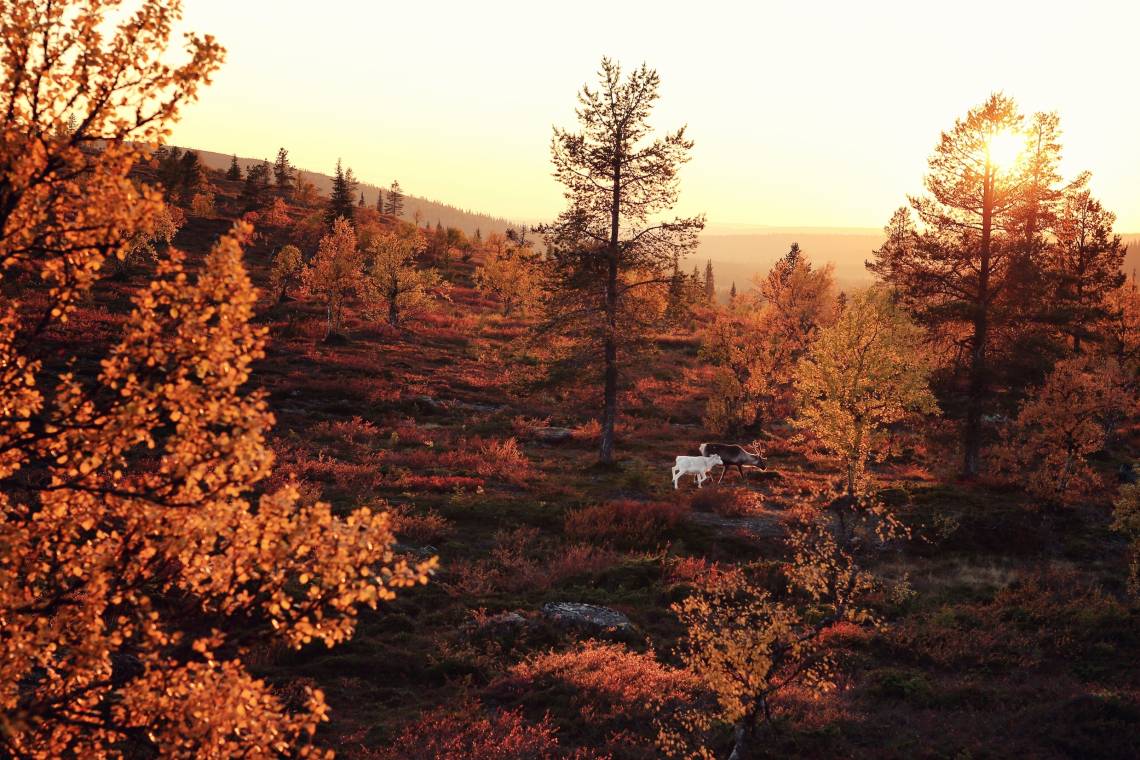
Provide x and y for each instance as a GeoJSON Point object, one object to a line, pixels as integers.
{"type": "Point", "coordinates": [805, 114]}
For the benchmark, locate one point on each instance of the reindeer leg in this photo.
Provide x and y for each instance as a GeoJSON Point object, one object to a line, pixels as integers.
{"type": "Point", "coordinates": [722, 471]}
{"type": "Point", "coordinates": [742, 475]}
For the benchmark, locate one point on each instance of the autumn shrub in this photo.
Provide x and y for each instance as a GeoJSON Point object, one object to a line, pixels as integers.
{"type": "Point", "coordinates": [1064, 421]}
{"type": "Point", "coordinates": [276, 215]}
{"type": "Point", "coordinates": [726, 405]}
{"type": "Point", "coordinates": [503, 459]}
{"type": "Point", "coordinates": [589, 431]}
{"type": "Point", "coordinates": [511, 273]}
{"type": "Point", "coordinates": [472, 733]}
{"type": "Point", "coordinates": [286, 270]}
{"type": "Point", "coordinates": [393, 288]}
{"type": "Point", "coordinates": [525, 426]}
{"type": "Point", "coordinates": [694, 571]}
{"type": "Point", "coordinates": [727, 502]}
{"type": "Point", "coordinates": [427, 528]}
{"type": "Point", "coordinates": [616, 695]}
{"type": "Point", "coordinates": [202, 204]}
{"type": "Point", "coordinates": [626, 523]}
{"type": "Point", "coordinates": [355, 430]}
{"type": "Point", "coordinates": [334, 276]}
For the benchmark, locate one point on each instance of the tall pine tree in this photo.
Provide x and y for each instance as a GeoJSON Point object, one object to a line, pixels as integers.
{"type": "Point", "coordinates": [963, 272]}
{"type": "Point", "coordinates": [610, 242]}
{"type": "Point", "coordinates": [283, 172]}
{"type": "Point", "coordinates": [342, 198]}
{"type": "Point", "coordinates": [234, 172]}
{"type": "Point", "coordinates": [395, 205]}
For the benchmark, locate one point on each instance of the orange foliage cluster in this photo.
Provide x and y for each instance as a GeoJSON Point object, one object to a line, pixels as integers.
{"type": "Point", "coordinates": [1068, 418]}
{"type": "Point", "coordinates": [129, 538]}
{"type": "Point", "coordinates": [693, 571]}
{"type": "Point", "coordinates": [614, 690]}
{"type": "Point", "coordinates": [473, 734]}
{"type": "Point", "coordinates": [627, 523]}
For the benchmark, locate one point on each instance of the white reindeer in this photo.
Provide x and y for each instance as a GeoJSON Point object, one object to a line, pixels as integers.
{"type": "Point", "coordinates": [699, 466]}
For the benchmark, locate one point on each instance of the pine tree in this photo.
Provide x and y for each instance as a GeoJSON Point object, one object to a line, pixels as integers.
{"type": "Point", "coordinates": [604, 242]}
{"type": "Point", "coordinates": [340, 200]}
{"type": "Point", "coordinates": [732, 294]}
{"type": "Point", "coordinates": [380, 200]}
{"type": "Point", "coordinates": [191, 175]}
{"type": "Point", "coordinates": [168, 168]}
{"type": "Point", "coordinates": [1084, 266]}
{"type": "Point", "coordinates": [395, 205]}
{"type": "Point", "coordinates": [964, 272]}
{"type": "Point", "coordinates": [234, 172]}
{"type": "Point", "coordinates": [255, 191]}
{"type": "Point", "coordinates": [283, 172]}
{"type": "Point", "coordinates": [710, 284]}
{"type": "Point", "coordinates": [676, 297]}
{"type": "Point", "coordinates": [360, 202]}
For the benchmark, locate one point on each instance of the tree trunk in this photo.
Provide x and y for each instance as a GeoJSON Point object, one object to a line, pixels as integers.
{"type": "Point", "coordinates": [609, 410]}
{"type": "Point", "coordinates": [971, 465]}
{"type": "Point", "coordinates": [744, 732]}
{"type": "Point", "coordinates": [393, 312]}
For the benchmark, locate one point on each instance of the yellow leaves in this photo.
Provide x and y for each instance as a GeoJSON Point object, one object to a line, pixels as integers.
{"type": "Point", "coordinates": [864, 372]}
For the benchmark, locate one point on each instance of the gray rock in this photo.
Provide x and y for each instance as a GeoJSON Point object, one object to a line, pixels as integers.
{"type": "Point", "coordinates": [760, 527]}
{"type": "Point", "coordinates": [587, 616]}
{"type": "Point", "coordinates": [552, 434]}
{"type": "Point", "coordinates": [504, 627]}
{"type": "Point", "coordinates": [505, 621]}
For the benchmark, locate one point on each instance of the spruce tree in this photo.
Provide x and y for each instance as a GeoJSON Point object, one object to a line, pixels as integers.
{"type": "Point", "coordinates": [361, 201]}
{"type": "Point", "coordinates": [676, 300]}
{"type": "Point", "coordinates": [710, 284]}
{"type": "Point", "coordinates": [234, 172]}
{"type": "Point", "coordinates": [191, 175]}
{"type": "Point", "coordinates": [380, 200]}
{"type": "Point", "coordinates": [255, 191]}
{"type": "Point", "coordinates": [283, 172]}
{"type": "Point", "coordinates": [341, 198]}
{"type": "Point", "coordinates": [395, 205]}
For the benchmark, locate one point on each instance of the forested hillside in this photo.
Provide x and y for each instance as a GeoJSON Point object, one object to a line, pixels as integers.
{"type": "Point", "coordinates": [429, 211]}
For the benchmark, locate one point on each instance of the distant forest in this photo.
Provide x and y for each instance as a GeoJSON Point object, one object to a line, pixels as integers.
{"type": "Point", "coordinates": [430, 211]}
